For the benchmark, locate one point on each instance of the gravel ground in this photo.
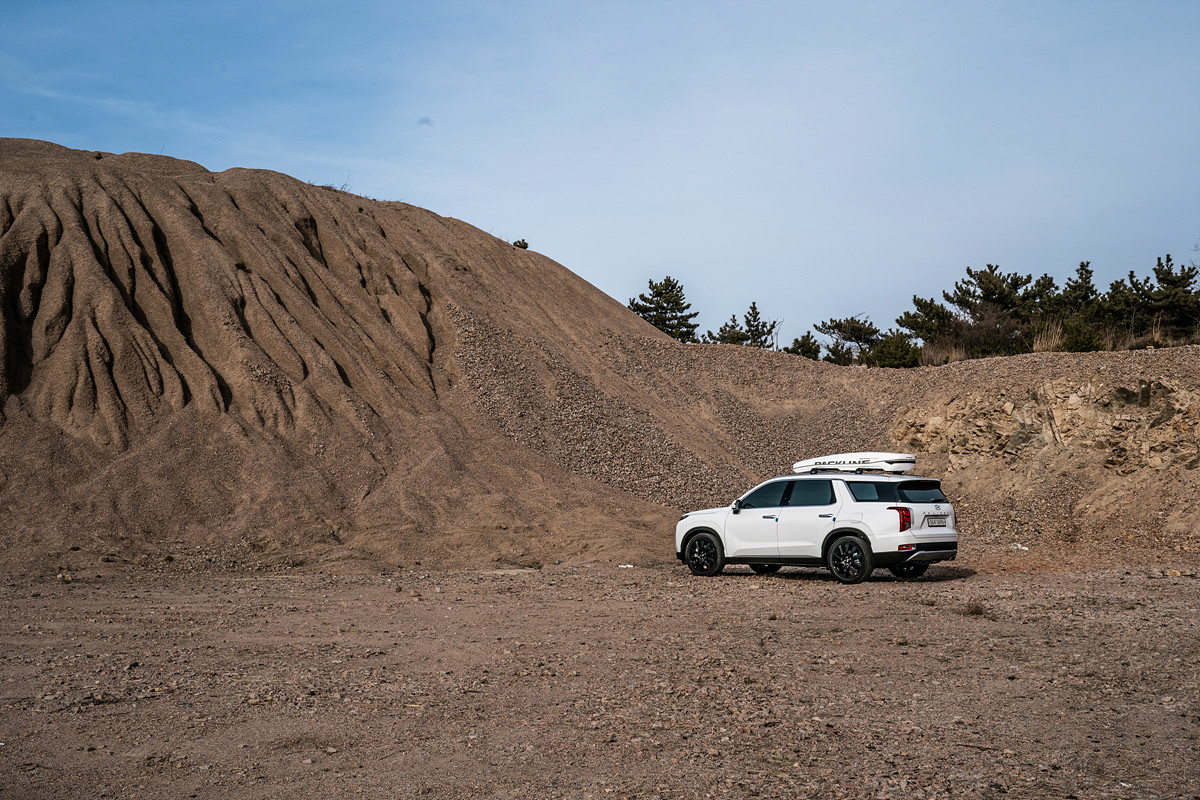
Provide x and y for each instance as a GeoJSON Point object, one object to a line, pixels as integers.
{"type": "Point", "coordinates": [600, 681]}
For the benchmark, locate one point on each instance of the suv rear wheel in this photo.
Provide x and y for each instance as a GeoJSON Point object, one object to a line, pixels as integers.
{"type": "Point", "coordinates": [849, 559]}
{"type": "Point", "coordinates": [704, 555]}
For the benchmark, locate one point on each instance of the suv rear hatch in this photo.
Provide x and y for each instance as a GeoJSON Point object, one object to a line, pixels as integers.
{"type": "Point", "coordinates": [932, 514]}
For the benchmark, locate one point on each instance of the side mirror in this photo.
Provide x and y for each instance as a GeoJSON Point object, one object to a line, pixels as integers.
{"type": "Point", "coordinates": [737, 506]}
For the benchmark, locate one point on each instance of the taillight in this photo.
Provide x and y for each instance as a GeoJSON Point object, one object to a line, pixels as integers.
{"type": "Point", "coordinates": [905, 516]}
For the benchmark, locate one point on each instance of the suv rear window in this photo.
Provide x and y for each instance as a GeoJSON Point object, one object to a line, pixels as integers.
{"type": "Point", "coordinates": [873, 492]}
{"type": "Point", "coordinates": [906, 492]}
{"type": "Point", "coordinates": [921, 492]}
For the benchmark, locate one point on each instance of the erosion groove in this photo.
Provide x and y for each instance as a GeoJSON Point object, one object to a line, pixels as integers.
{"type": "Point", "coordinates": [271, 370]}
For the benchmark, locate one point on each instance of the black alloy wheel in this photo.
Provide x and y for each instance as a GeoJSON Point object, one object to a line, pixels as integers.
{"type": "Point", "coordinates": [704, 555]}
{"type": "Point", "coordinates": [849, 559]}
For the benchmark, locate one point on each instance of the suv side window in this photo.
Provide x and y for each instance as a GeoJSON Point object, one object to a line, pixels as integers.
{"type": "Point", "coordinates": [812, 493]}
{"type": "Point", "coordinates": [872, 491]}
{"type": "Point", "coordinates": [769, 496]}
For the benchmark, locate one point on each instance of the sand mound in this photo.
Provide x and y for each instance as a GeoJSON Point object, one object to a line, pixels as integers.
{"type": "Point", "coordinates": [247, 365]}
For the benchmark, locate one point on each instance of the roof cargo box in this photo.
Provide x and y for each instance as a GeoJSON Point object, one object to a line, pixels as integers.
{"type": "Point", "coordinates": [859, 462]}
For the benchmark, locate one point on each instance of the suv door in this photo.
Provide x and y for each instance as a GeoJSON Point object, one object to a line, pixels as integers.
{"type": "Point", "coordinates": [810, 514]}
{"type": "Point", "coordinates": [752, 531]}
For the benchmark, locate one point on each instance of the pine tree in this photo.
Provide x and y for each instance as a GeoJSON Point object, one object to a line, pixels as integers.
{"type": "Point", "coordinates": [1079, 292]}
{"type": "Point", "coordinates": [853, 339]}
{"type": "Point", "coordinates": [730, 333]}
{"type": "Point", "coordinates": [759, 332]}
{"type": "Point", "coordinates": [665, 308]}
{"type": "Point", "coordinates": [1175, 302]}
{"type": "Point", "coordinates": [894, 349]}
{"type": "Point", "coordinates": [930, 321]}
{"type": "Point", "coordinates": [997, 307]}
{"type": "Point", "coordinates": [756, 332]}
{"type": "Point", "coordinates": [990, 289]}
{"type": "Point", "coordinates": [1078, 306]}
{"type": "Point", "coordinates": [1123, 308]}
{"type": "Point", "coordinates": [807, 346]}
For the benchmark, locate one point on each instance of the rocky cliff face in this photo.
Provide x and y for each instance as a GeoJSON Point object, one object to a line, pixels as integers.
{"type": "Point", "coordinates": [243, 364]}
{"type": "Point", "coordinates": [1106, 458]}
{"type": "Point", "coordinates": [1151, 425]}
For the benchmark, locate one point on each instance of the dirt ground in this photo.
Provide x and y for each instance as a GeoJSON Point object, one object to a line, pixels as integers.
{"type": "Point", "coordinates": [599, 681]}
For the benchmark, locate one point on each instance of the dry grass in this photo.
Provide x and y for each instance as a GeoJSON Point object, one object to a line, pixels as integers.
{"type": "Point", "coordinates": [936, 354]}
{"type": "Point", "coordinates": [974, 608]}
{"type": "Point", "coordinates": [1049, 339]}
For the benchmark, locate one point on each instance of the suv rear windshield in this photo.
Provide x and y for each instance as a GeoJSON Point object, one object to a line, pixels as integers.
{"type": "Point", "coordinates": [887, 492]}
{"type": "Point", "coordinates": [921, 492]}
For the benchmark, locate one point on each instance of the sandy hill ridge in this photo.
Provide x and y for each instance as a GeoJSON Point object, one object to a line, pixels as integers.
{"type": "Point", "coordinates": [247, 366]}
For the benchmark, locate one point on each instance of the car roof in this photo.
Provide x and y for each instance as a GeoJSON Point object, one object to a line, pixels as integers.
{"type": "Point", "coordinates": [876, 477]}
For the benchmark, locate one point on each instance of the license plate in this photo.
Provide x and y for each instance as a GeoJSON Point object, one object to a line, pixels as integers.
{"type": "Point", "coordinates": [935, 522]}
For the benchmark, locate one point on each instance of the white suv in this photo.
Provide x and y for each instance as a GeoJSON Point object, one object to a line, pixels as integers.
{"type": "Point", "coordinates": [851, 513]}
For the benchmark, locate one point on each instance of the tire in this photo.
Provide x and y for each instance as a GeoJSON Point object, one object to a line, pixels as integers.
{"type": "Point", "coordinates": [765, 569]}
{"type": "Point", "coordinates": [704, 555]}
{"type": "Point", "coordinates": [849, 559]}
{"type": "Point", "coordinates": [908, 571]}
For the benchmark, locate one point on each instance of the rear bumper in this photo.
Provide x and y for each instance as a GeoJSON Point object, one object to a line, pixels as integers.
{"type": "Point", "coordinates": [922, 552]}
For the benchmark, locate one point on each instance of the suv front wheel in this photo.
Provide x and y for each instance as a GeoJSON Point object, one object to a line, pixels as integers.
{"type": "Point", "coordinates": [849, 559]}
{"type": "Point", "coordinates": [704, 554]}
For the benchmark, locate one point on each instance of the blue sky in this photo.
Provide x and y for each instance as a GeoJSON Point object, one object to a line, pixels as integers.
{"type": "Point", "coordinates": [821, 158]}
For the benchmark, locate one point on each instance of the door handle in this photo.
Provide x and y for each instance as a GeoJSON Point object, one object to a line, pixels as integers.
{"type": "Point", "coordinates": [825, 516]}
{"type": "Point", "coordinates": [770, 516]}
